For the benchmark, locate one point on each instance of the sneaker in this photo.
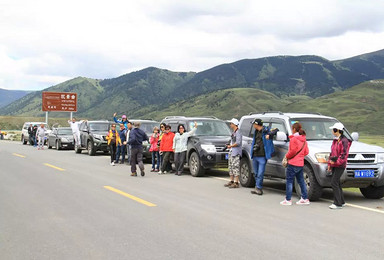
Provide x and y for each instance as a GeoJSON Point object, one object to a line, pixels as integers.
{"type": "Point", "coordinates": [286, 202]}
{"type": "Point", "coordinates": [134, 174]}
{"type": "Point", "coordinates": [228, 184]}
{"type": "Point", "coordinates": [112, 164]}
{"type": "Point", "coordinates": [160, 172]}
{"type": "Point", "coordinates": [157, 170]}
{"type": "Point", "coordinates": [234, 185]}
{"type": "Point", "coordinates": [343, 205]}
{"type": "Point", "coordinates": [303, 202]}
{"type": "Point", "coordinates": [333, 206]}
{"type": "Point", "coordinates": [142, 173]}
{"type": "Point", "coordinates": [152, 170]}
{"type": "Point", "coordinates": [164, 172]}
{"type": "Point", "coordinates": [257, 191]}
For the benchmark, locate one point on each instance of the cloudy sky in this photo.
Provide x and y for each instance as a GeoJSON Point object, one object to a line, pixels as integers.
{"type": "Point", "coordinates": [45, 42]}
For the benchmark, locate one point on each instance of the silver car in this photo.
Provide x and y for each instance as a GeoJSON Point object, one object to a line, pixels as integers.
{"type": "Point", "coordinates": [365, 168]}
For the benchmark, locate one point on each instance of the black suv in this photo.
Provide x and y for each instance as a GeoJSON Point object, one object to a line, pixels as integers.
{"type": "Point", "coordinates": [207, 147]}
{"type": "Point", "coordinates": [93, 137]}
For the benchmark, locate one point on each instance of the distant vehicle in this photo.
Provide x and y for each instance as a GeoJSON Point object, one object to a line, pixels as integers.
{"type": "Point", "coordinates": [207, 147]}
{"type": "Point", "coordinates": [93, 137]}
{"type": "Point", "coordinates": [365, 168]}
{"type": "Point", "coordinates": [147, 126]}
{"type": "Point", "coordinates": [60, 138]}
{"type": "Point", "coordinates": [24, 131]}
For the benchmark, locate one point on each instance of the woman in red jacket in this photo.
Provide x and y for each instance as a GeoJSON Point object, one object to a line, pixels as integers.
{"type": "Point", "coordinates": [337, 163]}
{"type": "Point", "coordinates": [298, 149]}
{"type": "Point", "coordinates": [166, 147]}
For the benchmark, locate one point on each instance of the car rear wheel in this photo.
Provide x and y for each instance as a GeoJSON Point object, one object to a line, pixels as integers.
{"type": "Point", "coordinates": [372, 192]}
{"type": "Point", "coordinates": [246, 176]}
{"type": "Point", "coordinates": [313, 187]}
{"type": "Point", "coordinates": [195, 167]}
{"type": "Point", "coordinates": [91, 149]}
{"type": "Point", "coordinates": [49, 145]}
{"type": "Point", "coordinates": [58, 145]}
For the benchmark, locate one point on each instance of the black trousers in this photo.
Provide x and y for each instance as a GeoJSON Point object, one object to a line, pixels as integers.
{"type": "Point", "coordinates": [179, 161]}
{"type": "Point", "coordinates": [338, 196]}
{"type": "Point", "coordinates": [137, 157]}
{"type": "Point", "coordinates": [112, 148]}
{"type": "Point", "coordinates": [166, 160]}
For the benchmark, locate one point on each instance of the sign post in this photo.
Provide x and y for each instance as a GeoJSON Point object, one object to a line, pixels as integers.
{"type": "Point", "coordinates": [59, 102]}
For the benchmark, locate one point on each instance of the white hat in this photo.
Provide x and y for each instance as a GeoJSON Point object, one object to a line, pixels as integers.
{"type": "Point", "coordinates": [338, 126]}
{"type": "Point", "coordinates": [234, 121]}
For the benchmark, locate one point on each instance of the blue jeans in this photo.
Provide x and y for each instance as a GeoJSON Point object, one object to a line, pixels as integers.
{"type": "Point", "coordinates": [155, 155]}
{"type": "Point", "coordinates": [120, 150]}
{"type": "Point", "coordinates": [259, 168]}
{"type": "Point", "coordinates": [291, 173]}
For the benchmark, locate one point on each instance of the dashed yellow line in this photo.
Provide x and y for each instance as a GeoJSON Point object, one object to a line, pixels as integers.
{"type": "Point", "coordinates": [18, 155]}
{"type": "Point", "coordinates": [54, 167]}
{"type": "Point", "coordinates": [147, 203]}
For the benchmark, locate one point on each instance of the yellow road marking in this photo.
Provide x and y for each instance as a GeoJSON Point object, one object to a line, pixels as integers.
{"type": "Point", "coordinates": [347, 204]}
{"type": "Point", "coordinates": [54, 167]}
{"type": "Point", "coordinates": [18, 155]}
{"type": "Point", "coordinates": [149, 204]}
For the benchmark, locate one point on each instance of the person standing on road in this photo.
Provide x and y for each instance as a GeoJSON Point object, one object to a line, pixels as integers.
{"type": "Point", "coordinates": [30, 135]}
{"type": "Point", "coordinates": [337, 163]}
{"type": "Point", "coordinates": [136, 138]}
{"type": "Point", "coordinates": [113, 139]}
{"type": "Point", "coordinates": [34, 136]}
{"type": "Point", "coordinates": [122, 145]}
{"type": "Point", "coordinates": [154, 149]}
{"type": "Point", "coordinates": [166, 147]}
{"type": "Point", "coordinates": [234, 155]}
{"type": "Point", "coordinates": [40, 135]}
{"type": "Point", "coordinates": [180, 142]}
{"type": "Point", "coordinates": [262, 150]}
{"type": "Point", "coordinates": [128, 126]}
{"type": "Point", "coordinates": [298, 149]}
{"type": "Point", "coordinates": [75, 126]}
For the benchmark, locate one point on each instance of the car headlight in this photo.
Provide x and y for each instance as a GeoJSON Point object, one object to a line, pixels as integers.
{"type": "Point", "coordinates": [99, 137]}
{"type": "Point", "coordinates": [209, 148]}
{"type": "Point", "coordinates": [380, 157]}
{"type": "Point", "coordinates": [322, 157]}
{"type": "Point", "coordinates": [64, 139]}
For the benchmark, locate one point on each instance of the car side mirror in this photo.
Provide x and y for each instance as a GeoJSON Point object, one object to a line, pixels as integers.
{"type": "Point", "coordinates": [280, 136]}
{"type": "Point", "coordinates": [355, 136]}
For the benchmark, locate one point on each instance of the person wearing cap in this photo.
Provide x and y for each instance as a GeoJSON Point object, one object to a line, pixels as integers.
{"type": "Point", "coordinates": [234, 155]}
{"type": "Point", "coordinates": [128, 126]}
{"type": "Point", "coordinates": [136, 138]}
{"type": "Point", "coordinates": [337, 163]}
{"type": "Point", "coordinates": [124, 120]}
{"type": "Point", "coordinates": [262, 150]}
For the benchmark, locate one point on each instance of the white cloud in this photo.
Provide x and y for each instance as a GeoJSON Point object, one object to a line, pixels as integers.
{"type": "Point", "coordinates": [45, 42]}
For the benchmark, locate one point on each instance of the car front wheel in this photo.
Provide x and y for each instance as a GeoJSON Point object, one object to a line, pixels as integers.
{"type": "Point", "coordinates": [195, 167]}
{"type": "Point", "coordinates": [313, 187]}
{"type": "Point", "coordinates": [372, 192]}
{"type": "Point", "coordinates": [58, 145]}
{"type": "Point", "coordinates": [91, 149]}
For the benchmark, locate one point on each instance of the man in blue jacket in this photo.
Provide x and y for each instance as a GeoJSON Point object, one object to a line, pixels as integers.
{"type": "Point", "coordinates": [121, 147]}
{"type": "Point", "coordinates": [262, 150]}
{"type": "Point", "coordinates": [136, 138]}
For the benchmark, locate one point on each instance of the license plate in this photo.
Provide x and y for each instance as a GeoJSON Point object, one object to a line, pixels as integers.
{"type": "Point", "coordinates": [226, 156]}
{"type": "Point", "coordinates": [364, 173]}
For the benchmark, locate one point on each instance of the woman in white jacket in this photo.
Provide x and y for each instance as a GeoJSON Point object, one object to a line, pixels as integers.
{"type": "Point", "coordinates": [180, 142]}
{"type": "Point", "coordinates": [40, 135]}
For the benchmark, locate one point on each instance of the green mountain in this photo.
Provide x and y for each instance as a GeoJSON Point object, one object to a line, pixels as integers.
{"type": "Point", "coordinates": [9, 96]}
{"type": "Point", "coordinates": [142, 92]}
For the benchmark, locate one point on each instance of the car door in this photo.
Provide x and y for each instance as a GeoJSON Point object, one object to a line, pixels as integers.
{"type": "Point", "coordinates": [275, 168]}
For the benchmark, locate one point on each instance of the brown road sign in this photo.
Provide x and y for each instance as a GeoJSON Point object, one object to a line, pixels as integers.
{"type": "Point", "coordinates": [60, 101]}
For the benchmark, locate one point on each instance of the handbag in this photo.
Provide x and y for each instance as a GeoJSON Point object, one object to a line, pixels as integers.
{"type": "Point", "coordinates": [284, 162]}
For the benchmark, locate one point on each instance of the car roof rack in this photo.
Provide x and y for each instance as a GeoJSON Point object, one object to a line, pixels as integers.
{"type": "Point", "coordinates": [174, 117]}
{"type": "Point", "coordinates": [312, 113]}
{"type": "Point", "coordinates": [267, 112]}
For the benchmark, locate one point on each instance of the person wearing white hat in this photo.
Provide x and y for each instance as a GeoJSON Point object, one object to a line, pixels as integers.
{"type": "Point", "coordinates": [337, 163]}
{"type": "Point", "coordinates": [234, 155]}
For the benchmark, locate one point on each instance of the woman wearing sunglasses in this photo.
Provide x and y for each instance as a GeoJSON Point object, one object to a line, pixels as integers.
{"type": "Point", "coordinates": [337, 163]}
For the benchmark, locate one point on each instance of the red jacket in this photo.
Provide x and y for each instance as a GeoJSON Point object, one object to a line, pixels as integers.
{"type": "Point", "coordinates": [340, 149]}
{"type": "Point", "coordinates": [153, 141]}
{"type": "Point", "coordinates": [295, 144]}
{"type": "Point", "coordinates": [166, 143]}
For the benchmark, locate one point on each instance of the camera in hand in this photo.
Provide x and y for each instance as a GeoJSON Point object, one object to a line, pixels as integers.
{"type": "Point", "coordinates": [333, 158]}
{"type": "Point", "coordinates": [256, 147]}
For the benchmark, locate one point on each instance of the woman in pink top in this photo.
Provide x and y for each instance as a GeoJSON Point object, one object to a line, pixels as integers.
{"type": "Point", "coordinates": [154, 149]}
{"type": "Point", "coordinates": [298, 149]}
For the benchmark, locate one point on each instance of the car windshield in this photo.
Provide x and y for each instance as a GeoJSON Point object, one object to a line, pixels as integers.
{"type": "Point", "coordinates": [66, 131]}
{"type": "Point", "coordinates": [99, 127]}
{"type": "Point", "coordinates": [147, 127]}
{"type": "Point", "coordinates": [317, 128]}
{"type": "Point", "coordinates": [210, 128]}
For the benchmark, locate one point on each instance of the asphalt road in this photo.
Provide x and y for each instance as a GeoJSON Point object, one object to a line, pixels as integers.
{"type": "Point", "coordinates": [62, 205]}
